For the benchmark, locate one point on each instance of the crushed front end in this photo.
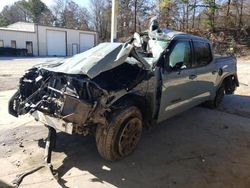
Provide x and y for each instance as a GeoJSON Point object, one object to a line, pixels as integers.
{"type": "Point", "coordinates": [76, 94]}
{"type": "Point", "coordinates": [70, 103]}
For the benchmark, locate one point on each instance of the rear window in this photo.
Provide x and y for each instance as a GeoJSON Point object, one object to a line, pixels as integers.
{"type": "Point", "coordinates": [203, 54]}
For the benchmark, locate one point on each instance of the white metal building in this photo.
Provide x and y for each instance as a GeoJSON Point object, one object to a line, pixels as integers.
{"type": "Point", "coordinates": [45, 40]}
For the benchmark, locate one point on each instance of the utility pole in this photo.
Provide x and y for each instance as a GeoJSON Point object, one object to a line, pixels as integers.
{"type": "Point", "coordinates": [114, 21]}
{"type": "Point", "coordinates": [135, 14]}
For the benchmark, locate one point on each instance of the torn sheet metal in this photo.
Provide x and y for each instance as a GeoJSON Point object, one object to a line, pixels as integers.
{"type": "Point", "coordinates": [101, 58]}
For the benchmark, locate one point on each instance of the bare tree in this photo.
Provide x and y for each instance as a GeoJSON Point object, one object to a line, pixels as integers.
{"type": "Point", "coordinates": [228, 7]}
{"type": "Point", "coordinates": [101, 17]}
{"type": "Point", "coordinates": [70, 15]}
{"type": "Point", "coordinates": [194, 12]}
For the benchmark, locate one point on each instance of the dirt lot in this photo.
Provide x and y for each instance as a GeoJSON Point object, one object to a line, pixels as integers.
{"type": "Point", "coordinates": [199, 148]}
{"type": "Point", "coordinates": [11, 69]}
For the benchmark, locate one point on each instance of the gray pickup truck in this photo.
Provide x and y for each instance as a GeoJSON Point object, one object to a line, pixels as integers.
{"type": "Point", "coordinates": [114, 90]}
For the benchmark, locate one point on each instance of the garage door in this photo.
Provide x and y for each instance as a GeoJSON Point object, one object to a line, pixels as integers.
{"type": "Point", "coordinates": [87, 41]}
{"type": "Point", "coordinates": [56, 43]}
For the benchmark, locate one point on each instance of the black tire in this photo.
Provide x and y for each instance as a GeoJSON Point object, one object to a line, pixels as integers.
{"type": "Point", "coordinates": [121, 136]}
{"type": "Point", "coordinates": [217, 100]}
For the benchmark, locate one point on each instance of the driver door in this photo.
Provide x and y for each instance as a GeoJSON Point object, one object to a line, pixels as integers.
{"type": "Point", "coordinates": [178, 80]}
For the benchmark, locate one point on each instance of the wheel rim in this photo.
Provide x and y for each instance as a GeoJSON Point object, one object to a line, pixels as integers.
{"type": "Point", "coordinates": [130, 136]}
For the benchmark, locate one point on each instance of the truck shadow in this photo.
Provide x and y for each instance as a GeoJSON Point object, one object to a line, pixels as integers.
{"type": "Point", "coordinates": [4, 185]}
{"type": "Point", "coordinates": [236, 104]}
{"type": "Point", "coordinates": [199, 148]}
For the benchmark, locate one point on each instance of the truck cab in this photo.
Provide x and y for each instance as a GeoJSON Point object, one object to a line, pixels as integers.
{"type": "Point", "coordinates": [190, 74]}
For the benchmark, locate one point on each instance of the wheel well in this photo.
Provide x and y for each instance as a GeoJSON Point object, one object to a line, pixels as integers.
{"type": "Point", "coordinates": [138, 101]}
{"type": "Point", "coordinates": [230, 83]}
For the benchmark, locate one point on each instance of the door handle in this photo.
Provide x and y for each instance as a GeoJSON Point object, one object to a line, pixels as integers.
{"type": "Point", "coordinates": [214, 72]}
{"type": "Point", "coordinates": [193, 76]}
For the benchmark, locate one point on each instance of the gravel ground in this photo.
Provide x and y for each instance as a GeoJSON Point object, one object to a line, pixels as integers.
{"type": "Point", "coordinates": [198, 148]}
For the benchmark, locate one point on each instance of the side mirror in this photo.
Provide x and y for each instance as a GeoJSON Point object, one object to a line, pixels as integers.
{"type": "Point", "coordinates": [178, 66]}
{"type": "Point", "coordinates": [137, 40]}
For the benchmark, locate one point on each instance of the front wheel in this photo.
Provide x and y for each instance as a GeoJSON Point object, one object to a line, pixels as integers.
{"type": "Point", "coordinates": [121, 136]}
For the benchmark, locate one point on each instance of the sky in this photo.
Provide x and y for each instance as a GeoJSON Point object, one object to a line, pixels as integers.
{"type": "Point", "coordinates": [47, 2]}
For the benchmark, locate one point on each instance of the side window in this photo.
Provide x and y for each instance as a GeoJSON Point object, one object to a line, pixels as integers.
{"type": "Point", "coordinates": [180, 56]}
{"type": "Point", "coordinates": [203, 54]}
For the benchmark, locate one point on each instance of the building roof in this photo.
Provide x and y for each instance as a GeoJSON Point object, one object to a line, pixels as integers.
{"type": "Point", "coordinates": [22, 26]}
{"type": "Point", "coordinates": [30, 27]}
{"type": "Point", "coordinates": [15, 29]}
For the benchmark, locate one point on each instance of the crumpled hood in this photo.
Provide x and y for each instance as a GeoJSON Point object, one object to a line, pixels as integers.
{"type": "Point", "coordinates": [99, 59]}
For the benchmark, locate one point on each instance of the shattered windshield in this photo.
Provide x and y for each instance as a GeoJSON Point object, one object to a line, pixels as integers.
{"type": "Point", "coordinates": [153, 50]}
{"type": "Point", "coordinates": [156, 47]}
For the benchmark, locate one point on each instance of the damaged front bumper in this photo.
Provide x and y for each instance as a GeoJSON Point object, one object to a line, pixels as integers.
{"type": "Point", "coordinates": [69, 103]}
{"type": "Point", "coordinates": [56, 123]}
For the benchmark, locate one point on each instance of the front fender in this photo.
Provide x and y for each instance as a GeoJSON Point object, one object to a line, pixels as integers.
{"type": "Point", "coordinates": [137, 100]}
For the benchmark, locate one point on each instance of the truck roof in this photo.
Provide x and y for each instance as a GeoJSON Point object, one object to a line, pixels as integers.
{"type": "Point", "coordinates": [168, 34]}
{"type": "Point", "coordinates": [180, 35]}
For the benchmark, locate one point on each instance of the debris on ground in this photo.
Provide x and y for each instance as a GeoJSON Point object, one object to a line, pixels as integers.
{"type": "Point", "coordinates": [106, 168]}
{"type": "Point", "coordinates": [19, 178]}
{"type": "Point", "coordinates": [17, 163]}
{"type": "Point", "coordinates": [202, 159]}
{"type": "Point", "coordinates": [21, 145]}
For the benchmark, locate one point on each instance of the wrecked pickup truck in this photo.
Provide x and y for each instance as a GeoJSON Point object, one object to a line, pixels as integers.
{"type": "Point", "coordinates": [114, 90]}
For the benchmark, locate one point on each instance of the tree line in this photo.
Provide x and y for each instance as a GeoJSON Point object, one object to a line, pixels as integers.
{"type": "Point", "coordinates": [205, 14]}
{"type": "Point", "coordinates": [63, 14]}
{"type": "Point", "coordinates": [197, 16]}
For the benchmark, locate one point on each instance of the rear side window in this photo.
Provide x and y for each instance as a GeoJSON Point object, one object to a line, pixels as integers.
{"type": "Point", "coordinates": [203, 54]}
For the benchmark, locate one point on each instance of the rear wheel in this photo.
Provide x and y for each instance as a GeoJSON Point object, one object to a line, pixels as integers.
{"type": "Point", "coordinates": [122, 135]}
{"type": "Point", "coordinates": [218, 98]}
